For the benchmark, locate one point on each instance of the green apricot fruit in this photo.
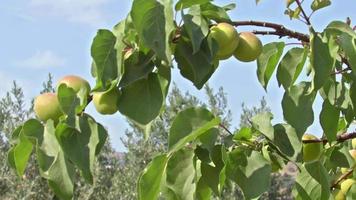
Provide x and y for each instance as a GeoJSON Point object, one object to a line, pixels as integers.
{"type": "Point", "coordinates": [311, 151]}
{"type": "Point", "coordinates": [46, 106]}
{"type": "Point", "coordinates": [227, 39]}
{"type": "Point", "coordinates": [74, 82]}
{"type": "Point", "coordinates": [344, 170]}
{"type": "Point", "coordinates": [346, 185]}
{"type": "Point", "coordinates": [338, 195]}
{"type": "Point", "coordinates": [353, 141]}
{"type": "Point", "coordinates": [353, 153]}
{"type": "Point", "coordinates": [249, 48]}
{"type": "Point", "coordinates": [106, 102]}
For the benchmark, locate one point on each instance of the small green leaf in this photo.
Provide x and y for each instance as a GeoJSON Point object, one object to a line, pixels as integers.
{"type": "Point", "coordinates": [196, 67]}
{"type": "Point", "coordinates": [182, 4]}
{"type": "Point", "coordinates": [291, 66]}
{"type": "Point", "coordinates": [153, 21]}
{"type": "Point", "coordinates": [196, 26]}
{"type": "Point", "coordinates": [68, 100]}
{"type": "Point", "coordinates": [329, 119]}
{"type": "Point", "coordinates": [338, 28]}
{"type": "Point", "coordinates": [353, 96]}
{"type": "Point", "coordinates": [348, 45]}
{"type": "Point", "coordinates": [188, 125]}
{"type": "Point", "coordinates": [216, 13]}
{"type": "Point", "coordinates": [268, 60]}
{"type": "Point", "coordinates": [103, 53]}
{"type": "Point", "coordinates": [321, 60]}
{"type": "Point", "coordinates": [180, 176]}
{"type": "Point", "coordinates": [297, 104]}
{"type": "Point", "coordinates": [245, 133]}
{"type": "Point", "coordinates": [319, 4]}
{"type": "Point", "coordinates": [250, 171]}
{"type": "Point", "coordinates": [262, 123]}
{"type": "Point", "coordinates": [137, 66]}
{"type": "Point", "coordinates": [142, 100]}
{"type": "Point", "coordinates": [150, 180]}
{"type": "Point", "coordinates": [287, 140]}
{"type": "Point", "coordinates": [203, 192]}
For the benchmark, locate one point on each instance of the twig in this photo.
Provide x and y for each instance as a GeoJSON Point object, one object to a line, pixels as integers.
{"type": "Point", "coordinates": [341, 71]}
{"type": "Point", "coordinates": [226, 129]}
{"type": "Point", "coordinates": [339, 138]}
{"type": "Point", "coordinates": [341, 178]}
{"type": "Point", "coordinates": [303, 12]}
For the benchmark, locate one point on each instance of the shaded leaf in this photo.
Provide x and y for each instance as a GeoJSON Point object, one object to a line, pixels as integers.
{"type": "Point", "coordinates": [142, 100]}
{"type": "Point", "coordinates": [268, 60]}
{"type": "Point", "coordinates": [291, 66]}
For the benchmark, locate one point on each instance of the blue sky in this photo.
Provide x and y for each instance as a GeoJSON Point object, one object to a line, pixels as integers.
{"type": "Point", "coordinates": [42, 36]}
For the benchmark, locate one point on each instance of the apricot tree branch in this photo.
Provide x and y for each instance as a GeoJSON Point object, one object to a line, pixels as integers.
{"type": "Point", "coordinates": [341, 178]}
{"type": "Point", "coordinates": [339, 138]}
{"type": "Point", "coordinates": [279, 29]}
{"type": "Point", "coordinates": [226, 129]}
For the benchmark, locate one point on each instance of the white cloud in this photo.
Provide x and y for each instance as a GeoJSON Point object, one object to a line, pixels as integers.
{"type": "Point", "coordinates": [80, 11]}
{"type": "Point", "coordinates": [42, 60]}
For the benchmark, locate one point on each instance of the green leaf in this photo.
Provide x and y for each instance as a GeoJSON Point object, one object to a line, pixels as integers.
{"type": "Point", "coordinates": [297, 105]}
{"type": "Point", "coordinates": [196, 26]}
{"type": "Point", "coordinates": [196, 67]}
{"type": "Point", "coordinates": [250, 171]}
{"type": "Point", "coordinates": [153, 21]}
{"type": "Point", "coordinates": [319, 4]}
{"type": "Point", "coordinates": [68, 100]}
{"type": "Point", "coordinates": [80, 144]}
{"type": "Point", "coordinates": [53, 164]}
{"type": "Point", "coordinates": [142, 100]}
{"type": "Point", "coordinates": [103, 53]}
{"type": "Point", "coordinates": [262, 123]}
{"type": "Point", "coordinates": [329, 119]}
{"type": "Point", "coordinates": [209, 138]}
{"type": "Point", "coordinates": [188, 125]}
{"type": "Point", "coordinates": [268, 60]}
{"type": "Point", "coordinates": [287, 140]}
{"type": "Point", "coordinates": [216, 13]}
{"type": "Point", "coordinates": [353, 95]}
{"type": "Point", "coordinates": [150, 180]}
{"type": "Point", "coordinates": [19, 155]}
{"type": "Point", "coordinates": [291, 66]}
{"type": "Point", "coordinates": [321, 60]}
{"type": "Point", "coordinates": [214, 176]}
{"type": "Point", "coordinates": [338, 28]}
{"type": "Point", "coordinates": [337, 93]}
{"type": "Point", "coordinates": [137, 66]}
{"type": "Point", "coordinates": [313, 182]}
{"type": "Point", "coordinates": [203, 192]}
{"type": "Point", "coordinates": [245, 133]}
{"type": "Point", "coordinates": [348, 45]}
{"type": "Point", "coordinates": [182, 4]}
{"type": "Point", "coordinates": [180, 178]}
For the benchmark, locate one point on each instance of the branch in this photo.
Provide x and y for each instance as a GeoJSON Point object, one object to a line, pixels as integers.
{"type": "Point", "coordinates": [279, 29]}
{"type": "Point", "coordinates": [303, 12]}
{"type": "Point", "coordinates": [226, 129]}
{"type": "Point", "coordinates": [339, 138]}
{"type": "Point", "coordinates": [341, 178]}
